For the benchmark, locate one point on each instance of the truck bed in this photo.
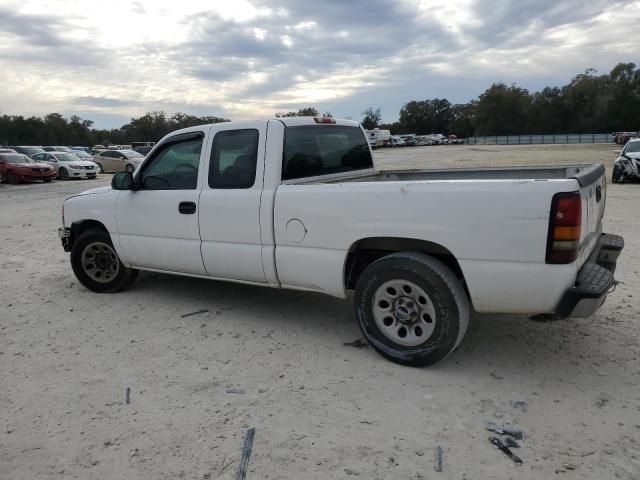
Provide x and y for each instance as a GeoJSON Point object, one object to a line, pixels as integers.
{"type": "Point", "coordinates": [581, 172]}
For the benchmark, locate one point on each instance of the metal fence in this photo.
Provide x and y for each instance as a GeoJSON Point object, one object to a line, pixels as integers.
{"type": "Point", "coordinates": [541, 139]}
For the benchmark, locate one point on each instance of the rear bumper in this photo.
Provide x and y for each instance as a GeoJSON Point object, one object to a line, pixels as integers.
{"type": "Point", "coordinates": [594, 279]}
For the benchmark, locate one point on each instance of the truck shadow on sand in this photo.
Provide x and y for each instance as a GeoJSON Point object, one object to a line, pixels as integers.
{"type": "Point", "coordinates": [499, 345]}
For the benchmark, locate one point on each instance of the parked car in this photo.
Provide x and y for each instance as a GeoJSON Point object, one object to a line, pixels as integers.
{"type": "Point", "coordinates": [454, 140]}
{"type": "Point", "coordinates": [627, 165]}
{"type": "Point", "coordinates": [118, 160]}
{"type": "Point", "coordinates": [396, 141]}
{"type": "Point", "coordinates": [17, 167]}
{"type": "Point", "coordinates": [287, 203]}
{"type": "Point", "coordinates": [423, 140]}
{"type": "Point", "coordinates": [621, 138]}
{"type": "Point", "coordinates": [142, 150]}
{"type": "Point", "coordinates": [67, 165]}
{"type": "Point", "coordinates": [27, 150]}
{"type": "Point", "coordinates": [57, 148]}
{"type": "Point", "coordinates": [409, 140]}
{"type": "Point", "coordinates": [7, 150]}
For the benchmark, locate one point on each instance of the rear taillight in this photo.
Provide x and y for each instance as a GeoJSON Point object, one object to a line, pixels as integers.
{"type": "Point", "coordinates": [563, 242]}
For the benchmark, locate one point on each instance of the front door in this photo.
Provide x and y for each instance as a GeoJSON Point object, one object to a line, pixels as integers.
{"type": "Point", "coordinates": [158, 223]}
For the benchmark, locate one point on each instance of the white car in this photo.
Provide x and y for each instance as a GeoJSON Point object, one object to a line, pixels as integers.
{"type": "Point", "coordinates": [297, 203]}
{"type": "Point", "coordinates": [396, 141]}
{"type": "Point", "coordinates": [627, 165]}
{"type": "Point", "coordinates": [67, 165]}
{"type": "Point", "coordinates": [118, 160]}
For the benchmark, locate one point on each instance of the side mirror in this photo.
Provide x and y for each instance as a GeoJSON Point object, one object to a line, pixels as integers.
{"type": "Point", "coordinates": [122, 181]}
{"type": "Point", "coordinates": [617, 152]}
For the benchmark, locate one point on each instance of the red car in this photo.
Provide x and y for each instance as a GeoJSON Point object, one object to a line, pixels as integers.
{"type": "Point", "coordinates": [16, 167]}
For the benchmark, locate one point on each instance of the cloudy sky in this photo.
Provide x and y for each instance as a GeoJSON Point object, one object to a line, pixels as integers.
{"type": "Point", "coordinates": [111, 60]}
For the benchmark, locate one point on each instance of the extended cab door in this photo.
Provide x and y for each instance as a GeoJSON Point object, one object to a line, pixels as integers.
{"type": "Point", "coordinates": [230, 202]}
{"type": "Point", "coordinates": [158, 223]}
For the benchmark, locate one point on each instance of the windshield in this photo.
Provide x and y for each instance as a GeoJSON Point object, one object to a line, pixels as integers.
{"type": "Point", "coordinates": [323, 149]}
{"type": "Point", "coordinates": [632, 147]}
{"type": "Point", "coordinates": [81, 154]}
{"type": "Point", "coordinates": [31, 150]}
{"type": "Point", "coordinates": [66, 157]}
{"type": "Point", "coordinates": [15, 158]}
{"type": "Point", "coordinates": [62, 149]}
{"type": "Point", "coordinates": [131, 154]}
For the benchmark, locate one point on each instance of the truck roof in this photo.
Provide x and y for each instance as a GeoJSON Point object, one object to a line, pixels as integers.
{"type": "Point", "coordinates": [287, 121]}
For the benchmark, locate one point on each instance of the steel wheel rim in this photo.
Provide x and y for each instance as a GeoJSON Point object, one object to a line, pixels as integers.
{"type": "Point", "coordinates": [100, 262]}
{"type": "Point", "coordinates": [403, 312]}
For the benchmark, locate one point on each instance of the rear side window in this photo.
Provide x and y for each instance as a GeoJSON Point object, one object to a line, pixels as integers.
{"type": "Point", "coordinates": [234, 158]}
{"type": "Point", "coordinates": [323, 149]}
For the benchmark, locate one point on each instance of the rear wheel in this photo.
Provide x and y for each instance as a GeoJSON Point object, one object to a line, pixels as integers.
{"type": "Point", "coordinates": [100, 169]}
{"type": "Point", "coordinates": [411, 308]}
{"type": "Point", "coordinates": [97, 265]}
{"type": "Point", "coordinates": [129, 168]}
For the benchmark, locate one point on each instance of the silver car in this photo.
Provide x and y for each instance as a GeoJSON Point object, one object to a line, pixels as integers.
{"type": "Point", "coordinates": [67, 165]}
{"type": "Point", "coordinates": [118, 160]}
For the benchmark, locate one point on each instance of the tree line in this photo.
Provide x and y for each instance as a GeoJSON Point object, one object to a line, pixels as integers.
{"type": "Point", "coordinates": [589, 103]}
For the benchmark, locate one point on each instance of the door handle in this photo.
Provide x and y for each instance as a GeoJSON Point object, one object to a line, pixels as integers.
{"type": "Point", "coordinates": [187, 207]}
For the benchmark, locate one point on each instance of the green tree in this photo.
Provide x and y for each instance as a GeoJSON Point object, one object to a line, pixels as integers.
{"type": "Point", "coordinates": [303, 112]}
{"type": "Point", "coordinates": [503, 110]}
{"type": "Point", "coordinates": [371, 118]}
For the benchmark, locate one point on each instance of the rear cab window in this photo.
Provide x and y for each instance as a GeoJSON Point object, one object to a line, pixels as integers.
{"type": "Point", "coordinates": [313, 150]}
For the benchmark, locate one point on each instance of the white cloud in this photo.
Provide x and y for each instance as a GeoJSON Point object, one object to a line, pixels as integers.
{"type": "Point", "coordinates": [251, 58]}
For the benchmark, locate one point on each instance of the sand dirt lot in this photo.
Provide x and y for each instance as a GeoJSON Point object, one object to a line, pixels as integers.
{"type": "Point", "coordinates": [277, 361]}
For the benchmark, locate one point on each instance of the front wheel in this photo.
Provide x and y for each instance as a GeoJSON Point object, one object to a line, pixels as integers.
{"type": "Point", "coordinates": [63, 174]}
{"type": "Point", "coordinates": [13, 179]}
{"type": "Point", "coordinates": [97, 265]}
{"type": "Point", "coordinates": [618, 175]}
{"type": "Point", "coordinates": [411, 308]}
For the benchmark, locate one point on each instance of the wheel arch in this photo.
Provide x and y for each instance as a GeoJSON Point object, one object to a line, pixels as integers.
{"type": "Point", "coordinates": [365, 251]}
{"type": "Point", "coordinates": [80, 226]}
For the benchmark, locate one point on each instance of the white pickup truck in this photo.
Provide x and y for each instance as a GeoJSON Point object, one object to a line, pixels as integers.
{"type": "Point", "coordinates": [297, 203]}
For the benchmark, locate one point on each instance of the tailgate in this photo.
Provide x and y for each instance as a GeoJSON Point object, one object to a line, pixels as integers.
{"type": "Point", "coordinates": [593, 191]}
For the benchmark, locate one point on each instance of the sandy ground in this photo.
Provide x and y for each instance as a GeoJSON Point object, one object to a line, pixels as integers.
{"type": "Point", "coordinates": [276, 361]}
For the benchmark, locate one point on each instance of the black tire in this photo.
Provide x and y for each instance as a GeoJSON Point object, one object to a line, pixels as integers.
{"type": "Point", "coordinates": [617, 176]}
{"type": "Point", "coordinates": [446, 294]}
{"type": "Point", "coordinates": [129, 168]}
{"type": "Point", "coordinates": [47, 180]}
{"type": "Point", "coordinates": [100, 169]}
{"type": "Point", "coordinates": [12, 178]}
{"type": "Point", "coordinates": [63, 174]}
{"type": "Point", "coordinates": [121, 280]}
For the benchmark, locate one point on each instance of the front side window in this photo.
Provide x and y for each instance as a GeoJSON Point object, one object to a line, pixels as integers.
{"type": "Point", "coordinates": [234, 158]}
{"type": "Point", "coordinates": [175, 167]}
{"type": "Point", "coordinates": [324, 149]}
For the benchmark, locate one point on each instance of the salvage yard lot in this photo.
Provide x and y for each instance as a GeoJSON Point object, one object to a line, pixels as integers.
{"type": "Point", "coordinates": [276, 360]}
